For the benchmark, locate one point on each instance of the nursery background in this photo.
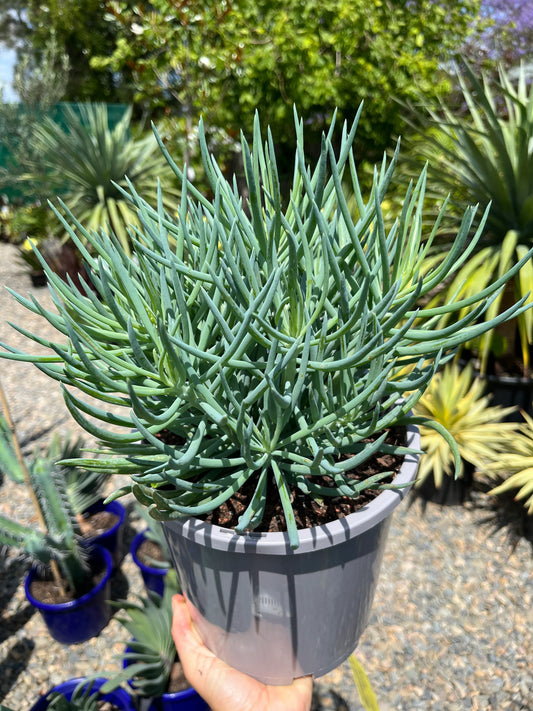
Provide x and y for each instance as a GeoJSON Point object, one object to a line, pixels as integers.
{"type": "Point", "coordinates": [452, 624]}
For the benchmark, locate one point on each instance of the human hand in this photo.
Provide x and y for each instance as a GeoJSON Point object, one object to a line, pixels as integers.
{"type": "Point", "coordinates": [223, 687]}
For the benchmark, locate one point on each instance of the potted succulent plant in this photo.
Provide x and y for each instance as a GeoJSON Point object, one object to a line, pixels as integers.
{"type": "Point", "coordinates": [83, 694]}
{"type": "Point", "coordinates": [484, 156]}
{"type": "Point", "coordinates": [512, 468]}
{"type": "Point", "coordinates": [99, 523]}
{"type": "Point", "coordinates": [69, 582]}
{"type": "Point", "coordinates": [150, 662]}
{"type": "Point", "coordinates": [255, 367]}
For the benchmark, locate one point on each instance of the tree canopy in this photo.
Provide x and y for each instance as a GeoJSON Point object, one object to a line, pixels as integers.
{"type": "Point", "coordinates": [224, 60]}
{"type": "Point", "coordinates": [80, 30]}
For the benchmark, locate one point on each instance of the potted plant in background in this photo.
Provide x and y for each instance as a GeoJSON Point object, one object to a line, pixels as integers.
{"type": "Point", "coordinates": [86, 162]}
{"type": "Point", "coordinates": [150, 662]}
{"type": "Point", "coordinates": [70, 580]}
{"type": "Point", "coordinates": [486, 157]}
{"type": "Point", "coordinates": [83, 695]}
{"type": "Point", "coordinates": [457, 401]}
{"type": "Point", "coordinates": [254, 367]}
{"type": "Point", "coordinates": [513, 466]}
{"type": "Point", "coordinates": [70, 584]}
{"type": "Point", "coordinates": [100, 524]}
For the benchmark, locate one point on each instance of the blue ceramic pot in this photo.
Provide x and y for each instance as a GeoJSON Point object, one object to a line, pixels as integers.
{"type": "Point", "coordinates": [78, 620]}
{"type": "Point", "coordinates": [112, 539]}
{"type": "Point", "coordinates": [186, 700]}
{"type": "Point", "coordinates": [154, 578]}
{"type": "Point", "coordinates": [119, 697]}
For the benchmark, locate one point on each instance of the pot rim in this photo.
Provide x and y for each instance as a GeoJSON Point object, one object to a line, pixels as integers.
{"type": "Point", "coordinates": [311, 539]}
{"type": "Point", "coordinates": [114, 507]}
{"type": "Point", "coordinates": [79, 601]}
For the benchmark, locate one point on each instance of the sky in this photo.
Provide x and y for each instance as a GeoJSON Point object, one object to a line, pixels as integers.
{"type": "Point", "coordinates": [7, 59]}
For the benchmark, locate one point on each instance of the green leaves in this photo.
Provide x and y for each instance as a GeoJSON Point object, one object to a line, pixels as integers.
{"type": "Point", "coordinates": [86, 163]}
{"type": "Point", "coordinates": [486, 157]}
{"type": "Point", "coordinates": [460, 425]}
{"type": "Point", "coordinates": [151, 653]}
{"type": "Point", "coordinates": [61, 540]}
{"type": "Point", "coordinates": [84, 698]}
{"type": "Point", "coordinates": [256, 344]}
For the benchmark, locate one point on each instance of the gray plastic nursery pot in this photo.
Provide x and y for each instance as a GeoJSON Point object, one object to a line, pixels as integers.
{"type": "Point", "coordinates": [276, 613]}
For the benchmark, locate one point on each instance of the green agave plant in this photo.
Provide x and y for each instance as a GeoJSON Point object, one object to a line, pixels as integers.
{"type": "Point", "coordinates": [57, 544]}
{"type": "Point", "coordinates": [83, 488]}
{"type": "Point", "coordinates": [514, 466]}
{"type": "Point", "coordinates": [456, 400]}
{"type": "Point", "coordinates": [83, 698]}
{"type": "Point", "coordinates": [486, 157]}
{"type": "Point", "coordinates": [59, 541]}
{"type": "Point", "coordinates": [257, 343]}
{"type": "Point", "coordinates": [151, 653]}
{"type": "Point", "coordinates": [87, 163]}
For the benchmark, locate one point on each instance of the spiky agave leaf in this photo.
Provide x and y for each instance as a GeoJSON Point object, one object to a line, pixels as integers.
{"type": "Point", "coordinates": [456, 400]}
{"type": "Point", "coordinates": [515, 465]}
{"type": "Point", "coordinates": [151, 652]}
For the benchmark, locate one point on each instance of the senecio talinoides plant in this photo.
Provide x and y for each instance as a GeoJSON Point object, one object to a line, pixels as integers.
{"type": "Point", "coordinates": [268, 336]}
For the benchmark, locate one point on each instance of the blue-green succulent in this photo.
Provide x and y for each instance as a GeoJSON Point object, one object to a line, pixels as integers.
{"type": "Point", "coordinates": [257, 337]}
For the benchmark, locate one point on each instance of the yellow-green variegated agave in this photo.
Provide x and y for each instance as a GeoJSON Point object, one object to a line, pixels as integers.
{"type": "Point", "coordinates": [456, 401]}
{"type": "Point", "coordinates": [264, 334]}
{"type": "Point", "coordinates": [514, 467]}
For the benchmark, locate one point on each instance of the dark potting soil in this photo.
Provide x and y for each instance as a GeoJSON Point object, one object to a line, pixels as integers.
{"type": "Point", "coordinates": [96, 523]}
{"type": "Point", "coordinates": [310, 512]}
{"type": "Point", "coordinates": [150, 551]}
{"type": "Point", "coordinates": [177, 681]}
{"type": "Point", "coordinates": [47, 589]}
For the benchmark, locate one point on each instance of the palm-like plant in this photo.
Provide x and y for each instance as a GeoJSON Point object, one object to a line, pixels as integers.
{"type": "Point", "coordinates": [57, 544]}
{"type": "Point", "coordinates": [455, 401]}
{"type": "Point", "coordinates": [485, 157]}
{"type": "Point", "coordinates": [87, 163]}
{"type": "Point", "coordinates": [151, 653]}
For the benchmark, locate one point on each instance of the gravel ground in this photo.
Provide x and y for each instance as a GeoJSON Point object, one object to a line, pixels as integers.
{"type": "Point", "coordinates": [452, 622]}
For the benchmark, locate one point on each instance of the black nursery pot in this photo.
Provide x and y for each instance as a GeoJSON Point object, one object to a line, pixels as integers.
{"type": "Point", "coordinates": [451, 492]}
{"type": "Point", "coordinates": [510, 391]}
